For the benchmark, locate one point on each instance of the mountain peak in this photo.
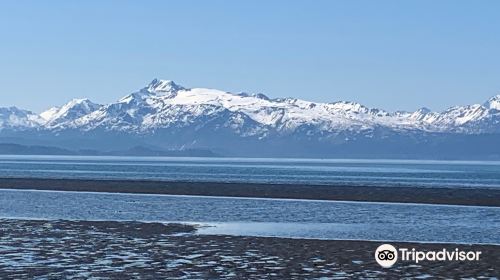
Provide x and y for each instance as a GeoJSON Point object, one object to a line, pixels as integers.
{"type": "Point", "coordinates": [15, 117]}
{"type": "Point", "coordinates": [163, 86]}
{"type": "Point", "coordinates": [77, 101]}
{"type": "Point", "coordinates": [75, 108]}
{"type": "Point", "coordinates": [424, 110]}
{"type": "Point", "coordinates": [11, 109]}
{"type": "Point", "coordinates": [493, 102]}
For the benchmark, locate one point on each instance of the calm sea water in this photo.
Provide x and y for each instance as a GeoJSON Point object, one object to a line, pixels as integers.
{"type": "Point", "coordinates": [294, 171]}
{"type": "Point", "coordinates": [264, 217]}
{"type": "Point", "coordinates": [267, 217]}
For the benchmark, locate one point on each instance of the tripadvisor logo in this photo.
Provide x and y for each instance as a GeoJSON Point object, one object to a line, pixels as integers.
{"type": "Point", "coordinates": [386, 255]}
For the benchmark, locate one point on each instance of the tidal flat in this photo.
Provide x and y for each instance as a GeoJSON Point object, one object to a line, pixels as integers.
{"type": "Point", "coordinates": [63, 249]}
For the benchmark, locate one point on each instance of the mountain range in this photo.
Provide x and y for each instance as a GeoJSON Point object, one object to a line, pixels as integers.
{"type": "Point", "coordinates": [166, 116]}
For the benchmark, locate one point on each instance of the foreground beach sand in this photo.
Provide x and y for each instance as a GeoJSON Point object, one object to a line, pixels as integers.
{"type": "Point", "coordinates": [403, 194]}
{"type": "Point", "coordinates": [128, 250]}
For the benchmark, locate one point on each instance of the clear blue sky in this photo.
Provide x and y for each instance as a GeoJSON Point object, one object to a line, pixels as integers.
{"type": "Point", "coordinates": [387, 54]}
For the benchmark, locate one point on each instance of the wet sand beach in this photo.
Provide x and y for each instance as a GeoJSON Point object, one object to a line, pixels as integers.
{"type": "Point", "coordinates": [36, 249]}
{"type": "Point", "coordinates": [404, 194]}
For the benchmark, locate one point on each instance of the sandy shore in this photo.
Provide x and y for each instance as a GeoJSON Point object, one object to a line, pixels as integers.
{"type": "Point", "coordinates": [455, 196]}
{"type": "Point", "coordinates": [133, 250]}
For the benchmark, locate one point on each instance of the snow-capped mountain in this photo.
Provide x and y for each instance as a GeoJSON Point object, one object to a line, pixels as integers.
{"type": "Point", "coordinates": [14, 118]}
{"type": "Point", "coordinates": [166, 114]}
{"type": "Point", "coordinates": [163, 104]}
{"type": "Point", "coordinates": [69, 112]}
{"type": "Point", "coordinates": [493, 103]}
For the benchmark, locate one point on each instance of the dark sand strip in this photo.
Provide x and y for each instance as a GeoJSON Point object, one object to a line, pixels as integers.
{"type": "Point", "coordinates": [132, 250]}
{"type": "Point", "coordinates": [452, 196]}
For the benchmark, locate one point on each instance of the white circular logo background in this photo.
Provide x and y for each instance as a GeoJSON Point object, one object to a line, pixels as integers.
{"type": "Point", "coordinates": [386, 255]}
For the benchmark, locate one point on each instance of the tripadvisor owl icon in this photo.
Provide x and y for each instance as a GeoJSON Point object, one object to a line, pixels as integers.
{"type": "Point", "coordinates": [386, 255]}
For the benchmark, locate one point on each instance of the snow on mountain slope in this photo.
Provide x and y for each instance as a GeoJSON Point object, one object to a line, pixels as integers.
{"type": "Point", "coordinates": [474, 118]}
{"type": "Point", "coordinates": [70, 111]}
{"type": "Point", "coordinates": [163, 104]}
{"type": "Point", "coordinates": [277, 113]}
{"type": "Point", "coordinates": [160, 87]}
{"type": "Point", "coordinates": [152, 108]}
{"type": "Point", "coordinates": [493, 103]}
{"type": "Point", "coordinates": [15, 118]}
{"type": "Point", "coordinates": [288, 114]}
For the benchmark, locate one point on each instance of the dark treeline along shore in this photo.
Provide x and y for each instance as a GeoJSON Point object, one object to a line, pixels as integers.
{"type": "Point", "coordinates": [428, 195]}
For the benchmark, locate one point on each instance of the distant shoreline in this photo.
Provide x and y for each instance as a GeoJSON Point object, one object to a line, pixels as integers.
{"type": "Point", "coordinates": [426, 195]}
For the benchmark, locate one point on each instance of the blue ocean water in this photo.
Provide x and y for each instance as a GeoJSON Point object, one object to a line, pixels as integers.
{"type": "Point", "coordinates": [267, 217]}
{"type": "Point", "coordinates": [294, 171]}
{"type": "Point", "coordinates": [264, 217]}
